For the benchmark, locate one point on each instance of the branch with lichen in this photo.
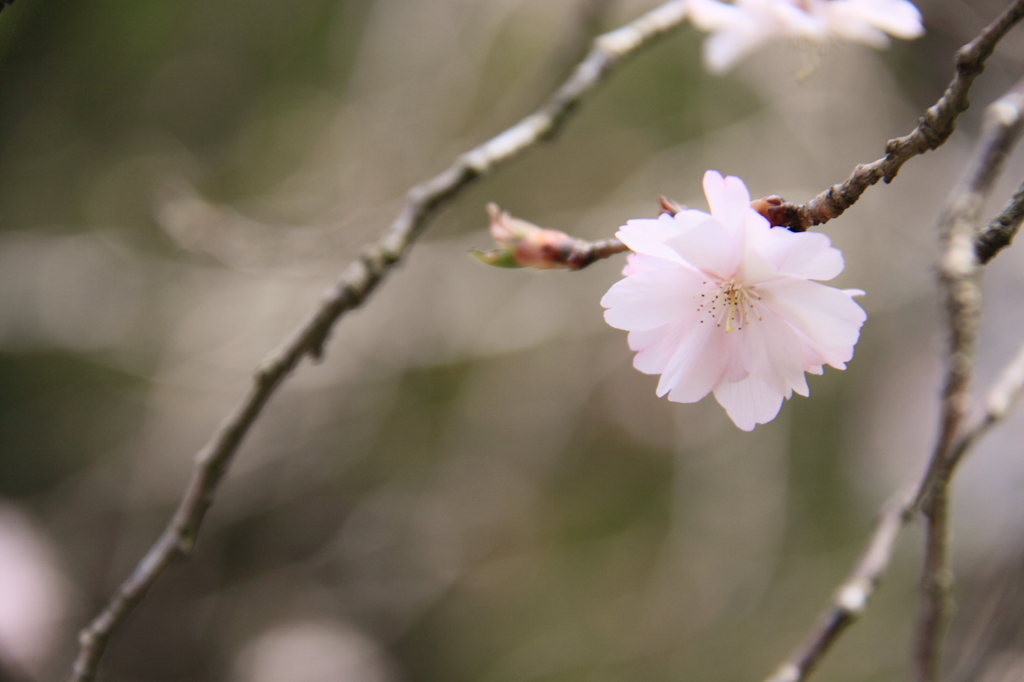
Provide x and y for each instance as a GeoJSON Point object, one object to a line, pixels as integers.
{"type": "Point", "coordinates": [356, 283]}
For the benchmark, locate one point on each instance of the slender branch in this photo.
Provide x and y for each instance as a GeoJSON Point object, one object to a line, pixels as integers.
{"type": "Point", "coordinates": [959, 283]}
{"type": "Point", "coordinates": [851, 598]}
{"type": "Point", "coordinates": [354, 286]}
{"type": "Point", "coordinates": [933, 129]}
{"type": "Point", "coordinates": [1000, 232]}
{"type": "Point", "coordinates": [1004, 394]}
{"type": "Point", "coordinates": [959, 269]}
{"type": "Point", "coordinates": [585, 253]}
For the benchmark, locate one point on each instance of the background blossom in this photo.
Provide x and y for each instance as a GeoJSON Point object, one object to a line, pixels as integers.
{"type": "Point", "coordinates": [744, 26]}
{"type": "Point", "coordinates": [725, 303]}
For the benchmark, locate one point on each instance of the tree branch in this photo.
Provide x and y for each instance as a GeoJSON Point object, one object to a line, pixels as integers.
{"type": "Point", "coordinates": [959, 268]}
{"type": "Point", "coordinates": [354, 286]}
{"type": "Point", "coordinates": [853, 595]}
{"type": "Point", "coordinates": [959, 271]}
{"type": "Point", "coordinates": [933, 129]}
{"type": "Point", "coordinates": [1000, 232]}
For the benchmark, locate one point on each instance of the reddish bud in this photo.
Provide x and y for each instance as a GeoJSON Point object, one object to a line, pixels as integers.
{"type": "Point", "coordinates": [778, 212]}
{"type": "Point", "coordinates": [669, 206]}
{"type": "Point", "coordinates": [523, 244]}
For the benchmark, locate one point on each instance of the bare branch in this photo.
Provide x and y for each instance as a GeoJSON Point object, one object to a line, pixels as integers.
{"type": "Point", "coordinates": [931, 132]}
{"type": "Point", "coordinates": [958, 280]}
{"type": "Point", "coordinates": [355, 285]}
{"type": "Point", "coordinates": [959, 270]}
{"type": "Point", "coordinates": [852, 597]}
{"type": "Point", "coordinates": [1000, 232]}
{"type": "Point", "coordinates": [1005, 393]}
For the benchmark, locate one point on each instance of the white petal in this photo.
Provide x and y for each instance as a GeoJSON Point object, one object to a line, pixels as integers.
{"type": "Point", "coordinates": [697, 365]}
{"type": "Point", "coordinates": [806, 254]}
{"type": "Point", "coordinates": [709, 15]}
{"type": "Point", "coordinates": [654, 298]}
{"type": "Point", "coordinates": [655, 347]}
{"type": "Point", "coordinates": [709, 248]}
{"type": "Point", "coordinates": [898, 18]}
{"type": "Point", "coordinates": [723, 49]}
{"type": "Point", "coordinates": [771, 349]}
{"type": "Point", "coordinates": [714, 190]}
{"type": "Point", "coordinates": [689, 218]}
{"type": "Point", "coordinates": [858, 30]}
{"type": "Point", "coordinates": [647, 236]}
{"type": "Point", "coordinates": [797, 22]}
{"type": "Point", "coordinates": [828, 318]}
{"type": "Point", "coordinates": [728, 198]}
{"type": "Point", "coordinates": [638, 262]}
{"type": "Point", "coordinates": [749, 401]}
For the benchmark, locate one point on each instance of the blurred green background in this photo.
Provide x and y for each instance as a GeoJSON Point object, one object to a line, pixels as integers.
{"type": "Point", "coordinates": [475, 485]}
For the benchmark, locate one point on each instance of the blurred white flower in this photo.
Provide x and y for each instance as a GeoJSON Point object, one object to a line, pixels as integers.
{"type": "Point", "coordinates": [725, 303]}
{"type": "Point", "coordinates": [313, 651]}
{"type": "Point", "coordinates": [741, 27]}
{"type": "Point", "coordinates": [32, 593]}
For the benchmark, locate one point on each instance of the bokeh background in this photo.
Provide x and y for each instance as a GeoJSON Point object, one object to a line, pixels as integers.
{"type": "Point", "coordinates": [475, 485]}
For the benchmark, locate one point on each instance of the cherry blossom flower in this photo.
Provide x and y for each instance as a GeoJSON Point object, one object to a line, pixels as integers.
{"type": "Point", "coordinates": [741, 27]}
{"type": "Point", "coordinates": [725, 303]}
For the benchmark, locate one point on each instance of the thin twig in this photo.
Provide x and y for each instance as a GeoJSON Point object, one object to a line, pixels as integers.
{"type": "Point", "coordinates": [1000, 232]}
{"type": "Point", "coordinates": [959, 271]}
{"type": "Point", "coordinates": [1004, 394]}
{"type": "Point", "coordinates": [586, 252]}
{"type": "Point", "coordinates": [356, 283]}
{"type": "Point", "coordinates": [852, 596]}
{"type": "Point", "coordinates": [931, 132]}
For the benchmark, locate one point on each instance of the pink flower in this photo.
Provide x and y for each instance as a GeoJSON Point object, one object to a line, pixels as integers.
{"type": "Point", "coordinates": [741, 27]}
{"type": "Point", "coordinates": [726, 303]}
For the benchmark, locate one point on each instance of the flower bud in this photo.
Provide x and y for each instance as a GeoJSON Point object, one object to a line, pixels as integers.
{"type": "Point", "coordinates": [523, 244]}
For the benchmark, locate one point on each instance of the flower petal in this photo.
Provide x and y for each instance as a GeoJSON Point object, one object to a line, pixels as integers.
{"type": "Point", "coordinates": [697, 366]}
{"type": "Point", "coordinates": [638, 262]}
{"type": "Point", "coordinates": [898, 18]}
{"type": "Point", "coordinates": [651, 299]}
{"type": "Point", "coordinates": [728, 199]}
{"type": "Point", "coordinates": [647, 236]}
{"type": "Point", "coordinates": [829, 318]}
{"type": "Point", "coordinates": [708, 248]}
{"type": "Point", "coordinates": [749, 402]}
{"type": "Point", "coordinates": [725, 48]}
{"type": "Point", "coordinates": [655, 347]}
{"type": "Point", "coordinates": [797, 21]}
{"type": "Point", "coordinates": [771, 349]}
{"type": "Point", "coordinates": [857, 30]}
{"type": "Point", "coordinates": [710, 15]}
{"type": "Point", "coordinates": [806, 254]}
